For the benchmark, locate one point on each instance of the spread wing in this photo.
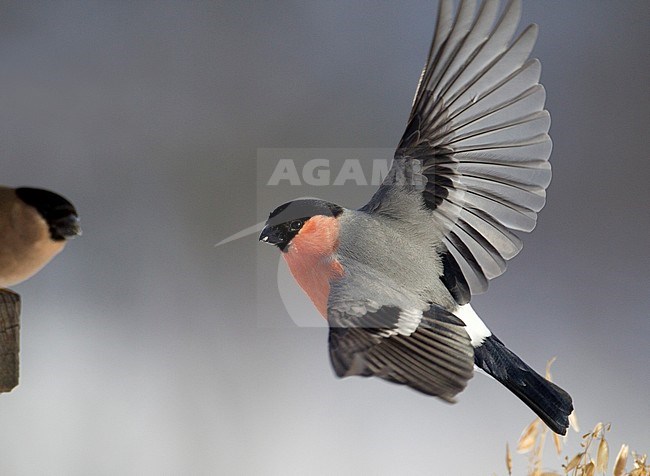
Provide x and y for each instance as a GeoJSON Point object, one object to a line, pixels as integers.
{"type": "Point", "coordinates": [476, 146]}
{"type": "Point", "coordinates": [428, 351]}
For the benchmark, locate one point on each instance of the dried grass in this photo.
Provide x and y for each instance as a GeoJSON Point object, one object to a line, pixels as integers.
{"type": "Point", "coordinates": [591, 460]}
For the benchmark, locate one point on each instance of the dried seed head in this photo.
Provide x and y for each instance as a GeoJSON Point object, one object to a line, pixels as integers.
{"type": "Point", "coordinates": [597, 430]}
{"type": "Point", "coordinates": [602, 457]}
{"type": "Point", "coordinates": [528, 437]}
{"type": "Point", "coordinates": [640, 468]}
{"type": "Point", "coordinates": [621, 461]}
{"type": "Point", "coordinates": [573, 464]}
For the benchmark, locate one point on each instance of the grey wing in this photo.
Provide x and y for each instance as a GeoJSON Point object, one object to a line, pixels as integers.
{"type": "Point", "coordinates": [476, 146]}
{"type": "Point", "coordinates": [428, 351]}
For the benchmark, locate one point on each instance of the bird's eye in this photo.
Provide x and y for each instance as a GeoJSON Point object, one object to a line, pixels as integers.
{"type": "Point", "coordinates": [295, 225]}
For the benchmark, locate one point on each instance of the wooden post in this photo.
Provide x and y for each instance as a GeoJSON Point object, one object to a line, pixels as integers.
{"type": "Point", "coordinates": [9, 339]}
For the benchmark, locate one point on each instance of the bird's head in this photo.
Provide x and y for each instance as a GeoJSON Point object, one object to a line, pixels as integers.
{"type": "Point", "coordinates": [291, 219]}
{"type": "Point", "coordinates": [59, 214]}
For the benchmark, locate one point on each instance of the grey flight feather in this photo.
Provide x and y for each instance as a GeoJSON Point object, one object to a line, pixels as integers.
{"type": "Point", "coordinates": [476, 146]}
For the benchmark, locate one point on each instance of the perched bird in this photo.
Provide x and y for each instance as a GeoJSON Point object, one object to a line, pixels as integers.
{"type": "Point", "coordinates": [34, 227]}
{"type": "Point", "coordinates": [394, 278]}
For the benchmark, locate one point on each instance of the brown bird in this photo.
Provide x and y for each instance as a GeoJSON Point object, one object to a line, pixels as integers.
{"type": "Point", "coordinates": [35, 225]}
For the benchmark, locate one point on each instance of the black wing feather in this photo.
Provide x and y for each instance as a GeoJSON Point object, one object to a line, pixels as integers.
{"type": "Point", "coordinates": [435, 358]}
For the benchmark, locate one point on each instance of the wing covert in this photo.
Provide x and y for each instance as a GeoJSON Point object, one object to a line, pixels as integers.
{"type": "Point", "coordinates": [428, 351]}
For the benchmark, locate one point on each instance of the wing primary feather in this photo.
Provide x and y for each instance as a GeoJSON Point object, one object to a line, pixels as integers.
{"type": "Point", "coordinates": [517, 97]}
{"type": "Point", "coordinates": [444, 24]}
{"type": "Point", "coordinates": [499, 70]}
{"type": "Point", "coordinates": [495, 53]}
{"type": "Point", "coordinates": [445, 54]}
{"type": "Point", "coordinates": [479, 133]}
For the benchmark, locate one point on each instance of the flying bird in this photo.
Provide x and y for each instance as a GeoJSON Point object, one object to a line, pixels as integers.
{"type": "Point", "coordinates": [394, 279]}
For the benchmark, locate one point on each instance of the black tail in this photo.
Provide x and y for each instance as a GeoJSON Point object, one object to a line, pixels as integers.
{"type": "Point", "coordinates": [552, 404]}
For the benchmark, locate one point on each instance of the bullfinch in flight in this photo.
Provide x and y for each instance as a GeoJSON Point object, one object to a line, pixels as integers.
{"type": "Point", "coordinates": [34, 227]}
{"type": "Point", "coordinates": [394, 279]}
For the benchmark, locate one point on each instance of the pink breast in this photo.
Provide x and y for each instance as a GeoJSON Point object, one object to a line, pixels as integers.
{"type": "Point", "coordinates": [312, 259]}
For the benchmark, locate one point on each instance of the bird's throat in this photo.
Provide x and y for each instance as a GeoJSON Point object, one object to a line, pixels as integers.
{"type": "Point", "coordinates": [311, 257]}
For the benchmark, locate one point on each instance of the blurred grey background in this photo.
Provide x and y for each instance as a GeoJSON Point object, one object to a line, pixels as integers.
{"type": "Point", "coordinates": [142, 348]}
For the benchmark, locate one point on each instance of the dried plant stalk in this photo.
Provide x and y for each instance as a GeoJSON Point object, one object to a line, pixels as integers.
{"type": "Point", "coordinates": [557, 441]}
{"type": "Point", "coordinates": [508, 460]}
